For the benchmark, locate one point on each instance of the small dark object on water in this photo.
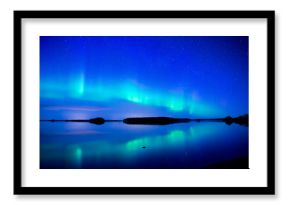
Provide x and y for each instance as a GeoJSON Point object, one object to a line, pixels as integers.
{"type": "Point", "coordinates": [143, 147]}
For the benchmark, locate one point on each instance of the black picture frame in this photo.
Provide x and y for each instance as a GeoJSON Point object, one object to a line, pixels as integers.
{"type": "Point", "coordinates": [18, 163]}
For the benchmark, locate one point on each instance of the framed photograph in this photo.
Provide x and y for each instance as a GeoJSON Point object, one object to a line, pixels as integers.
{"type": "Point", "coordinates": [144, 102]}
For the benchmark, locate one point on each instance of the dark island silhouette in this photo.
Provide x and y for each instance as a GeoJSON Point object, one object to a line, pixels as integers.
{"type": "Point", "coordinates": [241, 120]}
{"type": "Point", "coordinates": [154, 120]}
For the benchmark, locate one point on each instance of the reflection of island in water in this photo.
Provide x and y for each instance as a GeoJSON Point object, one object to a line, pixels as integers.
{"type": "Point", "coordinates": [137, 143]}
{"type": "Point", "coordinates": [241, 120]}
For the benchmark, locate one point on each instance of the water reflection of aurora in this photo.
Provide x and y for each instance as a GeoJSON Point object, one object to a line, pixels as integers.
{"type": "Point", "coordinates": [127, 151]}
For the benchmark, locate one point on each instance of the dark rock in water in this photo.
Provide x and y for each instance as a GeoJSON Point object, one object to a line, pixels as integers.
{"type": "Point", "coordinates": [97, 120]}
{"type": "Point", "coordinates": [155, 120]}
{"type": "Point", "coordinates": [241, 120]}
{"type": "Point", "coordinates": [228, 120]}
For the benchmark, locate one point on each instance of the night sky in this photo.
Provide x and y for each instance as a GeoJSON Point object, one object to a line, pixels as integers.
{"type": "Point", "coordinates": [116, 77]}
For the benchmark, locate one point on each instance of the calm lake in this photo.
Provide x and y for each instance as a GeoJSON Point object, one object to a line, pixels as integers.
{"type": "Point", "coordinates": [115, 145]}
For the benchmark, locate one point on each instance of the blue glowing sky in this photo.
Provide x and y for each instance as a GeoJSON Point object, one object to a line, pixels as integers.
{"type": "Point", "coordinates": [118, 77]}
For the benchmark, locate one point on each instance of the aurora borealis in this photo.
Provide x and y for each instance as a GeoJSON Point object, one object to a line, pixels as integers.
{"type": "Point", "coordinates": [117, 77]}
{"type": "Point", "coordinates": [124, 76]}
